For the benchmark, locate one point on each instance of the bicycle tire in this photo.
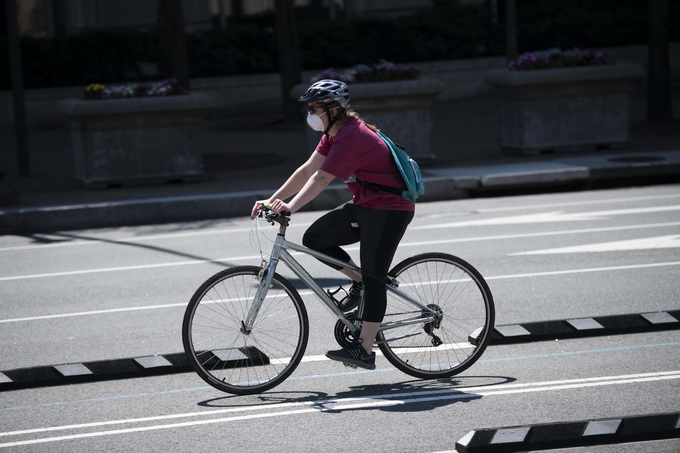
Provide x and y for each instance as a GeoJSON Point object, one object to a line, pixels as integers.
{"type": "Point", "coordinates": [229, 359]}
{"type": "Point", "coordinates": [460, 294]}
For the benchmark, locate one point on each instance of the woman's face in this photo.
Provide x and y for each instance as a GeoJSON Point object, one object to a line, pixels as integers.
{"type": "Point", "coordinates": [317, 109]}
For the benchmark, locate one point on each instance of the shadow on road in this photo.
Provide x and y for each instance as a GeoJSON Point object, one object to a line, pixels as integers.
{"type": "Point", "coordinates": [407, 396]}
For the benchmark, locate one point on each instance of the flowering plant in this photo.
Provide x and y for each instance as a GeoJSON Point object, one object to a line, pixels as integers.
{"type": "Point", "coordinates": [166, 87]}
{"type": "Point", "coordinates": [558, 58]}
{"type": "Point", "coordinates": [380, 72]}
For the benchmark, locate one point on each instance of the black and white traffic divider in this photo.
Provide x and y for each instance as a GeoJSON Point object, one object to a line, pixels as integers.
{"type": "Point", "coordinates": [571, 434]}
{"type": "Point", "coordinates": [73, 373]}
{"type": "Point", "coordinates": [105, 370]}
{"type": "Point", "coordinates": [585, 327]}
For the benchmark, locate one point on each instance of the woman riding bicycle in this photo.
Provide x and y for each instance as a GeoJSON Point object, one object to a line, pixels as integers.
{"type": "Point", "coordinates": [375, 218]}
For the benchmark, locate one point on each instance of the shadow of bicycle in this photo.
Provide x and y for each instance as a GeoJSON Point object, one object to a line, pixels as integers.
{"type": "Point", "coordinates": [420, 395]}
{"type": "Point", "coordinates": [406, 396]}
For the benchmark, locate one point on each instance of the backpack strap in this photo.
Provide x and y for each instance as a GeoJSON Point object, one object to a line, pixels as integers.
{"type": "Point", "coordinates": [377, 187]}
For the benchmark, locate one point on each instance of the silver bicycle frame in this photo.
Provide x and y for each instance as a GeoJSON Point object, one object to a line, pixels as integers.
{"type": "Point", "coordinates": [280, 253]}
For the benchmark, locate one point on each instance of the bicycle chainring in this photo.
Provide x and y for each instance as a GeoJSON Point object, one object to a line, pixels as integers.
{"type": "Point", "coordinates": [343, 335]}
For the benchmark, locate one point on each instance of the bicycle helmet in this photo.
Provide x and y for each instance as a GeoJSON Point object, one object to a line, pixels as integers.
{"type": "Point", "coordinates": [327, 91]}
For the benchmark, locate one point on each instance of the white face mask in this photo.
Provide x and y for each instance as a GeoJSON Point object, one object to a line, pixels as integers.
{"type": "Point", "coordinates": [315, 122]}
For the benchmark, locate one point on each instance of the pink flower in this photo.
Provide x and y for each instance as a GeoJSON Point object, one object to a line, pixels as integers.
{"type": "Point", "coordinates": [557, 58]}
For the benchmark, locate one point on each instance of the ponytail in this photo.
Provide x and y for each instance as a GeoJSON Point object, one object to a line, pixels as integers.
{"type": "Point", "coordinates": [350, 112]}
{"type": "Point", "coordinates": [346, 112]}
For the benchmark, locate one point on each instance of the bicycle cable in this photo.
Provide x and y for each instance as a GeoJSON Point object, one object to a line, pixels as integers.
{"type": "Point", "coordinates": [256, 232]}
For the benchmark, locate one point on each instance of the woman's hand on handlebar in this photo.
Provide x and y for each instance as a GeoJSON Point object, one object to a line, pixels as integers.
{"type": "Point", "coordinates": [279, 207]}
{"type": "Point", "coordinates": [258, 206]}
{"type": "Point", "coordinates": [276, 206]}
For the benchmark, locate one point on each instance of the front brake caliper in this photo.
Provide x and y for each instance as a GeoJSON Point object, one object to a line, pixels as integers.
{"type": "Point", "coordinates": [263, 270]}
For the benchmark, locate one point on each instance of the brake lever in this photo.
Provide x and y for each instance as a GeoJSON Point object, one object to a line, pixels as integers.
{"type": "Point", "coordinates": [271, 216]}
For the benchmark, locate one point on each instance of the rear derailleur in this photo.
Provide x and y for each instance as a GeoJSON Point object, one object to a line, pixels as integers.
{"type": "Point", "coordinates": [430, 327]}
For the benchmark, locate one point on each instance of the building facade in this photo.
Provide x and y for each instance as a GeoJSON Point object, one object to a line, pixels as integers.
{"type": "Point", "coordinates": [55, 18]}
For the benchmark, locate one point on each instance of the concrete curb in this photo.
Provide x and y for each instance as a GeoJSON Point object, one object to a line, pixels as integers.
{"type": "Point", "coordinates": [441, 184]}
{"type": "Point", "coordinates": [104, 370]}
{"type": "Point", "coordinates": [571, 434]}
{"type": "Point", "coordinates": [237, 204]}
{"type": "Point", "coordinates": [177, 209]}
{"type": "Point", "coordinates": [122, 213]}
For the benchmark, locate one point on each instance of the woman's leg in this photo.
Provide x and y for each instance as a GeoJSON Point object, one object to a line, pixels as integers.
{"type": "Point", "coordinates": [380, 233]}
{"type": "Point", "coordinates": [326, 234]}
{"type": "Point", "coordinates": [332, 230]}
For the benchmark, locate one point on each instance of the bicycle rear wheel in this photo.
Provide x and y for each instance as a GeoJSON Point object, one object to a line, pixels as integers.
{"type": "Point", "coordinates": [458, 293]}
{"type": "Point", "coordinates": [227, 357]}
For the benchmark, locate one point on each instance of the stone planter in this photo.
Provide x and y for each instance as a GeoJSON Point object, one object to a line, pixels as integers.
{"type": "Point", "coordinates": [402, 110]}
{"type": "Point", "coordinates": [136, 140]}
{"type": "Point", "coordinates": [564, 109]}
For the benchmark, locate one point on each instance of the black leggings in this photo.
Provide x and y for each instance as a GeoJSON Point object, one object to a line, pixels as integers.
{"type": "Point", "coordinates": [378, 231]}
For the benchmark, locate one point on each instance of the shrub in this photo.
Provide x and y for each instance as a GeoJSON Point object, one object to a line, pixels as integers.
{"type": "Point", "coordinates": [167, 87]}
{"type": "Point", "coordinates": [382, 72]}
{"type": "Point", "coordinates": [558, 58]}
{"type": "Point", "coordinates": [248, 45]}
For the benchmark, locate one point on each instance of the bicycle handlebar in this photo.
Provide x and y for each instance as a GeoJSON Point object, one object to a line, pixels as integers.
{"type": "Point", "coordinates": [271, 216]}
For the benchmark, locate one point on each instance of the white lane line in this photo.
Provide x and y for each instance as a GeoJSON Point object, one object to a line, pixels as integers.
{"type": "Point", "coordinates": [334, 404]}
{"type": "Point", "coordinates": [303, 293]}
{"type": "Point", "coordinates": [80, 242]}
{"type": "Point", "coordinates": [580, 203]}
{"type": "Point", "coordinates": [256, 258]}
{"type": "Point", "coordinates": [109, 311]}
{"type": "Point", "coordinates": [549, 217]}
{"type": "Point", "coordinates": [580, 271]}
{"type": "Point", "coordinates": [648, 243]}
{"type": "Point", "coordinates": [73, 240]}
{"type": "Point", "coordinates": [93, 312]}
{"type": "Point", "coordinates": [541, 234]}
{"type": "Point", "coordinates": [443, 347]}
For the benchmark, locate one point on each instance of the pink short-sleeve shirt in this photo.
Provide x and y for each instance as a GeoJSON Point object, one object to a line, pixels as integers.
{"type": "Point", "coordinates": [357, 150]}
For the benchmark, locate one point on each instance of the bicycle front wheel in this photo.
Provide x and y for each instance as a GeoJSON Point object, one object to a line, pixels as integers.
{"type": "Point", "coordinates": [460, 297]}
{"type": "Point", "coordinates": [220, 349]}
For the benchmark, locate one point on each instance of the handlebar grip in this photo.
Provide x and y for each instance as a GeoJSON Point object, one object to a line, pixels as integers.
{"type": "Point", "coordinates": [267, 207]}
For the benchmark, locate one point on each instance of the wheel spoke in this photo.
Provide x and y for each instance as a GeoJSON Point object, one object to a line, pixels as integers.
{"type": "Point", "coordinates": [234, 361]}
{"type": "Point", "coordinates": [457, 292]}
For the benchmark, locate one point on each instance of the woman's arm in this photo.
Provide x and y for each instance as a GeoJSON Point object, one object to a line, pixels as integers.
{"type": "Point", "coordinates": [295, 182]}
{"type": "Point", "coordinates": [314, 186]}
{"type": "Point", "coordinates": [299, 177]}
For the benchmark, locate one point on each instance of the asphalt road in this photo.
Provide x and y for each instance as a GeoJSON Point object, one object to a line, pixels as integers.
{"type": "Point", "coordinates": [79, 296]}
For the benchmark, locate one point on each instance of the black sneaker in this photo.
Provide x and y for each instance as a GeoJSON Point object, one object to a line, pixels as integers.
{"type": "Point", "coordinates": [351, 302]}
{"type": "Point", "coordinates": [355, 356]}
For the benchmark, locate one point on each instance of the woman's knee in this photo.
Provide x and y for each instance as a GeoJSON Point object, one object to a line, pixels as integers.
{"type": "Point", "coordinates": [311, 239]}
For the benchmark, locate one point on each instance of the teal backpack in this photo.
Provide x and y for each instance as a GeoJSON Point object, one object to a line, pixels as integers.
{"type": "Point", "coordinates": [409, 169]}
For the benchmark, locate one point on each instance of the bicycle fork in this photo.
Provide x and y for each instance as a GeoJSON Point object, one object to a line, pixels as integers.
{"type": "Point", "coordinates": [265, 277]}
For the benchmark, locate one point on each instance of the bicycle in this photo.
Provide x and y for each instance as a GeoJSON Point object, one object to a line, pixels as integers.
{"type": "Point", "coordinates": [245, 329]}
